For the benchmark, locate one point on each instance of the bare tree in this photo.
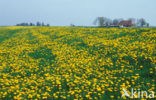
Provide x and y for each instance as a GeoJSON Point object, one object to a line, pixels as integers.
{"type": "Point", "coordinates": [116, 22]}
{"type": "Point", "coordinates": [38, 24]}
{"type": "Point", "coordinates": [120, 19]}
{"type": "Point", "coordinates": [141, 22]}
{"type": "Point", "coordinates": [133, 20]}
{"type": "Point", "coordinates": [43, 24]}
{"type": "Point", "coordinates": [108, 22]}
{"type": "Point", "coordinates": [101, 21]}
{"type": "Point", "coordinates": [147, 24]}
{"type": "Point", "coordinates": [31, 24]}
{"type": "Point", "coordinates": [72, 25]}
{"type": "Point", "coordinates": [48, 25]}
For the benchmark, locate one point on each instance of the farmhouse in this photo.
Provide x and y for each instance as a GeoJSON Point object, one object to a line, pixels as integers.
{"type": "Point", "coordinates": [122, 23]}
{"type": "Point", "coordinates": [126, 23]}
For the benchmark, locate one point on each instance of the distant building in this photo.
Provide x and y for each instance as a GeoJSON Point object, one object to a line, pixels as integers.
{"type": "Point", "coordinates": [123, 23]}
{"type": "Point", "coordinates": [126, 23]}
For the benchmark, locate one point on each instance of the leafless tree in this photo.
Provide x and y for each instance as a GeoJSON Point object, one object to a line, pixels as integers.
{"type": "Point", "coordinates": [133, 20]}
{"type": "Point", "coordinates": [116, 22]}
{"type": "Point", "coordinates": [101, 21]}
{"type": "Point", "coordinates": [108, 22]}
{"type": "Point", "coordinates": [141, 22]}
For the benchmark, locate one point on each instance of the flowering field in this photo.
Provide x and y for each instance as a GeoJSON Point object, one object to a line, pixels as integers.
{"type": "Point", "coordinates": [75, 63]}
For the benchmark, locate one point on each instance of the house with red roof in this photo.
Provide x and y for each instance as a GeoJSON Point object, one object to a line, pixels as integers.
{"type": "Point", "coordinates": [126, 23]}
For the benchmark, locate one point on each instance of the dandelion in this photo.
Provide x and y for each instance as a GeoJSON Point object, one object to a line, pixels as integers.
{"type": "Point", "coordinates": [75, 63]}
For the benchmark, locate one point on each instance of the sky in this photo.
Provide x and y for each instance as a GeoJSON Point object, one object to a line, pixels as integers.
{"type": "Point", "coordinates": [77, 12]}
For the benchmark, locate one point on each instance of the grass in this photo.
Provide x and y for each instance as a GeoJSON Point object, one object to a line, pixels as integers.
{"type": "Point", "coordinates": [57, 63]}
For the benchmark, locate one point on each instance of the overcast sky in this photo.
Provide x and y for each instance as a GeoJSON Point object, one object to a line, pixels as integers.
{"type": "Point", "coordinates": [78, 12]}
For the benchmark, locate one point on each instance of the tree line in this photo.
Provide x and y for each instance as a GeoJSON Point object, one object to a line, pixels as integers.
{"type": "Point", "coordinates": [32, 24]}
{"type": "Point", "coordinates": [107, 21]}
